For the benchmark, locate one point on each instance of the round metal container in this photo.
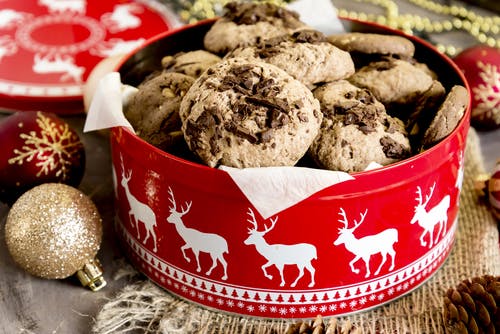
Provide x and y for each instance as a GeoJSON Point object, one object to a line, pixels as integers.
{"type": "Point", "coordinates": [347, 248]}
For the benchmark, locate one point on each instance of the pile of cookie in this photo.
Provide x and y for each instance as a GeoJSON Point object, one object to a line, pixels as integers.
{"type": "Point", "coordinates": [267, 90]}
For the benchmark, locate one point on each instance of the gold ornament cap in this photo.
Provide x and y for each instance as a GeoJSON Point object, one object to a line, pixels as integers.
{"type": "Point", "coordinates": [53, 230]}
{"type": "Point", "coordinates": [91, 275]}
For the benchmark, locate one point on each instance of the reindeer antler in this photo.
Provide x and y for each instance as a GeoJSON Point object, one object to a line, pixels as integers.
{"type": "Point", "coordinates": [273, 222]}
{"type": "Point", "coordinates": [188, 207]}
{"type": "Point", "coordinates": [420, 199]}
{"type": "Point", "coordinates": [172, 199]}
{"type": "Point", "coordinates": [362, 216]}
{"type": "Point", "coordinates": [419, 193]}
{"type": "Point", "coordinates": [253, 221]}
{"type": "Point", "coordinates": [124, 173]}
{"type": "Point", "coordinates": [428, 197]}
{"type": "Point", "coordinates": [344, 220]}
{"type": "Point", "coordinates": [121, 163]}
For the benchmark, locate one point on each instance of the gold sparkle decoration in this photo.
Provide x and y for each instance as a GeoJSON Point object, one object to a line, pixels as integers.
{"type": "Point", "coordinates": [484, 29]}
{"type": "Point", "coordinates": [54, 231]}
{"type": "Point", "coordinates": [54, 146]}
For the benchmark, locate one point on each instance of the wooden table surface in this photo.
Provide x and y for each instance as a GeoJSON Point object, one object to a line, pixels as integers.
{"type": "Point", "coordinates": [31, 305]}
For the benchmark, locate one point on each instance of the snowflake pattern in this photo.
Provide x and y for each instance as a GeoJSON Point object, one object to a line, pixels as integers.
{"type": "Point", "coordinates": [488, 94]}
{"type": "Point", "coordinates": [54, 146]}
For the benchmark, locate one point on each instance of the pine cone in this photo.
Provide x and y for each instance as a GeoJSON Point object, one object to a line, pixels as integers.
{"type": "Point", "coordinates": [319, 326]}
{"type": "Point", "coordinates": [473, 306]}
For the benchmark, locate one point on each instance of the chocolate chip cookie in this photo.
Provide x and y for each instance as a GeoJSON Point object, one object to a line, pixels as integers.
{"type": "Point", "coordinates": [447, 117]}
{"type": "Point", "coordinates": [305, 55]}
{"type": "Point", "coordinates": [192, 63]}
{"type": "Point", "coordinates": [373, 43]}
{"type": "Point", "coordinates": [249, 114]}
{"type": "Point", "coordinates": [424, 110]}
{"type": "Point", "coordinates": [154, 110]}
{"type": "Point", "coordinates": [356, 130]}
{"type": "Point", "coordinates": [394, 82]}
{"type": "Point", "coordinates": [246, 24]}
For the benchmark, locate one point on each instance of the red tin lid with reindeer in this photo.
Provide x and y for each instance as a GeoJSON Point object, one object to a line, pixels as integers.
{"type": "Point", "coordinates": [49, 47]}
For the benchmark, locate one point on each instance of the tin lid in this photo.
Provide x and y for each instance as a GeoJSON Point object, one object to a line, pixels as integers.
{"type": "Point", "coordinates": [49, 47]}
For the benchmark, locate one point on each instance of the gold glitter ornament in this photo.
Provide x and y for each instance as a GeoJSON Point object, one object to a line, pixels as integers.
{"type": "Point", "coordinates": [54, 231]}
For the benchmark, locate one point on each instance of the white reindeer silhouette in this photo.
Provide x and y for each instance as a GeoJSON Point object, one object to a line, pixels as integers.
{"type": "Point", "coordinates": [9, 18]}
{"type": "Point", "coordinates": [139, 212]}
{"type": "Point", "coordinates": [280, 255]}
{"type": "Point", "coordinates": [365, 247]}
{"type": "Point", "coordinates": [60, 6]}
{"type": "Point", "coordinates": [429, 219]}
{"type": "Point", "coordinates": [8, 47]}
{"type": "Point", "coordinates": [116, 46]}
{"type": "Point", "coordinates": [58, 64]}
{"type": "Point", "coordinates": [122, 18]}
{"type": "Point", "coordinates": [197, 241]}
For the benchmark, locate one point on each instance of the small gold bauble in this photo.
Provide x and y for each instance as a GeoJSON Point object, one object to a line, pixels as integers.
{"type": "Point", "coordinates": [53, 230]}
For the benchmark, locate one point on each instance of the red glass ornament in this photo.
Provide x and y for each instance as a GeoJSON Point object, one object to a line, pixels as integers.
{"type": "Point", "coordinates": [481, 67]}
{"type": "Point", "coordinates": [37, 147]}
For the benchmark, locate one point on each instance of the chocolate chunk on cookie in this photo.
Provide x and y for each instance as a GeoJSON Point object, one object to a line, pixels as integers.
{"type": "Point", "coordinates": [305, 55]}
{"type": "Point", "coordinates": [249, 114]}
{"type": "Point", "coordinates": [154, 110]}
{"type": "Point", "coordinates": [192, 63]}
{"type": "Point", "coordinates": [246, 24]}
{"type": "Point", "coordinates": [356, 130]}
{"type": "Point", "coordinates": [447, 117]}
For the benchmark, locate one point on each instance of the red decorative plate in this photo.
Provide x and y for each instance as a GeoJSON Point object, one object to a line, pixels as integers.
{"type": "Point", "coordinates": [49, 47]}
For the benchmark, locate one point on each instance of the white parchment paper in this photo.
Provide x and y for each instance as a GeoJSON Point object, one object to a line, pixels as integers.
{"type": "Point", "coordinates": [106, 109]}
{"type": "Point", "coordinates": [318, 14]}
{"type": "Point", "coordinates": [274, 189]}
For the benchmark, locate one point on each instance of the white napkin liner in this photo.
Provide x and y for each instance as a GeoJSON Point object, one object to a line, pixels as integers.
{"type": "Point", "coordinates": [106, 108]}
{"type": "Point", "coordinates": [274, 189]}
{"type": "Point", "coordinates": [318, 14]}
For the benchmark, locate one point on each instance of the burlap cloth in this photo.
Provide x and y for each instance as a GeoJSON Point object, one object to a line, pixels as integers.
{"type": "Point", "coordinates": [143, 307]}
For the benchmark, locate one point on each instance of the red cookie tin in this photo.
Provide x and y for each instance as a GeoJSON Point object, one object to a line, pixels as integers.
{"type": "Point", "coordinates": [49, 47]}
{"type": "Point", "coordinates": [346, 248]}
